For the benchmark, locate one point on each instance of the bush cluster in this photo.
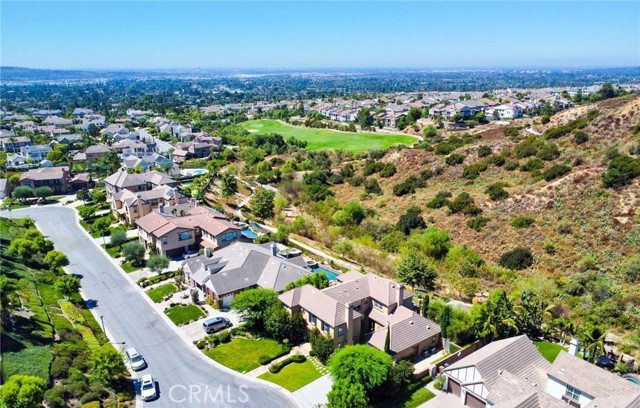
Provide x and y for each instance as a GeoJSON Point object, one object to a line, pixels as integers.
{"type": "Point", "coordinates": [275, 368]}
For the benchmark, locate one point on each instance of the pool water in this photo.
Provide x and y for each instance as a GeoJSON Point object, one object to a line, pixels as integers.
{"type": "Point", "coordinates": [249, 233]}
{"type": "Point", "coordinates": [198, 172]}
{"type": "Point", "coordinates": [331, 275]}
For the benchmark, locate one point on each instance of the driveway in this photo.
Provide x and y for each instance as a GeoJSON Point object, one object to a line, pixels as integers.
{"type": "Point", "coordinates": [315, 394]}
{"type": "Point", "coordinates": [186, 378]}
{"type": "Point", "coordinates": [443, 400]}
{"type": "Point", "coordinates": [194, 331]}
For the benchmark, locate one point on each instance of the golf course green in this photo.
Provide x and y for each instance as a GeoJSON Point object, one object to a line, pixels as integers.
{"type": "Point", "coordinates": [319, 139]}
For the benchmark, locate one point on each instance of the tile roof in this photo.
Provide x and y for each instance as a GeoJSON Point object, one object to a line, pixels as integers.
{"type": "Point", "coordinates": [46, 173]}
{"type": "Point", "coordinates": [517, 355]}
{"type": "Point", "coordinates": [122, 179]}
{"type": "Point", "coordinates": [319, 303]}
{"type": "Point", "coordinates": [369, 285]}
{"type": "Point", "coordinates": [241, 266]}
{"type": "Point", "coordinates": [588, 377]}
{"type": "Point", "coordinates": [407, 328]}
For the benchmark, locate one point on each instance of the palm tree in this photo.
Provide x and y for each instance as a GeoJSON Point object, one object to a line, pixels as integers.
{"type": "Point", "coordinates": [593, 340]}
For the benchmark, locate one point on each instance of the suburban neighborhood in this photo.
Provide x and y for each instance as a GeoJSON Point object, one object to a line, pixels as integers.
{"type": "Point", "coordinates": [320, 204]}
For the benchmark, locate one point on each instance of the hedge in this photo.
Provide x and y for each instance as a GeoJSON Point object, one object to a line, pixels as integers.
{"type": "Point", "coordinates": [275, 368]}
{"type": "Point", "coordinates": [264, 360]}
{"type": "Point", "coordinates": [144, 282]}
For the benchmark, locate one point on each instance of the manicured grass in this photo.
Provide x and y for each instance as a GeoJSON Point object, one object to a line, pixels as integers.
{"type": "Point", "coordinates": [159, 293]}
{"type": "Point", "coordinates": [29, 361]}
{"type": "Point", "coordinates": [242, 354]}
{"type": "Point", "coordinates": [548, 349]}
{"type": "Point", "coordinates": [294, 376]}
{"type": "Point", "coordinates": [318, 139]}
{"type": "Point", "coordinates": [183, 314]}
{"type": "Point", "coordinates": [415, 395]}
{"type": "Point", "coordinates": [128, 267]}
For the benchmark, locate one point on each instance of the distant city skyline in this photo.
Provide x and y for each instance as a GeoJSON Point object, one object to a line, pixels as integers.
{"type": "Point", "coordinates": [311, 35]}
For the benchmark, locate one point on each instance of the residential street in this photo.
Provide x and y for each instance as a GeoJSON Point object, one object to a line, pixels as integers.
{"type": "Point", "coordinates": [128, 317]}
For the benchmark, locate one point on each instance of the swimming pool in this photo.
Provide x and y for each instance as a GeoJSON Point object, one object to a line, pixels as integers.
{"type": "Point", "coordinates": [249, 233]}
{"type": "Point", "coordinates": [631, 379]}
{"type": "Point", "coordinates": [198, 172]}
{"type": "Point", "coordinates": [331, 275]}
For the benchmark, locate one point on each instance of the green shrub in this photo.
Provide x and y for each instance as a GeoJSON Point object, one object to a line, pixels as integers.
{"type": "Point", "coordinates": [621, 171]}
{"type": "Point", "coordinates": [454, 159]}
{"type": "Point", "coordinates": [484, 151]}
{"type": "Point", "coordinates": [275, 368]}
{"type": "Point", "coordinates": [528, 147]}
{"type": "Point", "coordinates": [92, 404]}
{"type": "Point", "coordinates": [472, 171]}
{"type": "Point", "coordinates": [516, 259]}
{"type": "Point", "coordinates": [555, 171]}
{"type": "Point", "coordinates": [532, 165]}
{"type": "Point", "coordinates": [580, 138]}
{"type": "Point", "coordinates": [224, 336]}
{"type": "Point", "coordinates": [438, 383]}
{"type": "Point", "coordinates": [522, 222]}
{"type": "Point", "coordinates": [512, 165]}
{"type": "Point", "coordinates": [54, 397]}
{"type": "Point", "coordinates": [371, 186]}
{"type": "Point", "coordinates": [440, 200]}
{"type": "Point", "coordinates": [548, 152]}
{"type": "Point", "coordinates": [463, 203]}
{"type": "Point", "coordinates": [477, 223]}
{"type": "Point", "coordinates": [497, 192]}
{"type": "Point", "coordinates": [408, 186]}
{"type": "Point", "coordinates": [388, 170]}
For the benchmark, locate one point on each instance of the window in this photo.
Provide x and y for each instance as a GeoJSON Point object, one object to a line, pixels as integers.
{"type": "Point", "coordinates": [377, 304]}
{"type": "Point", "coordinates": [325, 327]}
{"type": "Point", "coordinates": [164, 240]}
{"type": "Point", "coordinates": [341, 330]}
{"type": "Point", "coordinates": [183, 236]}
{"type": "Point", "coordinates": [572, 394]}
{"type": "Point", "coordinates": [230, 236]}
{"type": "Point", "coordinates": [312, 318]}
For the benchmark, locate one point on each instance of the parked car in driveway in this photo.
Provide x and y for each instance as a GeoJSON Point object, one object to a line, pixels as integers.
{"type": "Point", "coordinates": [216, 324]}
{"type": "Point", "coordinates": [190, 254]}
{"type": "Point", "coordinates": [136, 360]}
{"type": "Point", "coordinates": [148, 387]}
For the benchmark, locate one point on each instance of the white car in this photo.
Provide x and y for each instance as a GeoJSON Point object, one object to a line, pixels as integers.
{"type": "Point", "coordinates": [136, 360]}
{"type": "Point", "coordinates": [148, 387]}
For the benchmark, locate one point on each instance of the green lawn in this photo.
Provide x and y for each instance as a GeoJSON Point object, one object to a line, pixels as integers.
{"type": "Point", "coordinates": [159, 293]}
{"type": "Point", "coordinates": [183, 314]}
{"type": "Point", "coordinates": [294, 376]}
{"type": "Point", "coordinates": [319, 139]}
{"type": "Point", "coordinates": [242, 354]}
{"type": "Point", "coordinates": [129, 267]}
{"type": "Point", "coordinates": [549, 350]}
{"type": "Point", "coordinates": [415, 395]}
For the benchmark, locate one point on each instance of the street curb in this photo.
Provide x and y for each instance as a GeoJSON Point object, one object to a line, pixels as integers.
{"type": "Point", "coordinates": [179, 332]}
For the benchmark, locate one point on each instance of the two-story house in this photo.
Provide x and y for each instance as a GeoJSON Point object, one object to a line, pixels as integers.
{"type": "Point", "coordinates": [91, 154]}
{"type": "Point", "coordinates": [128, 206]}
{"type": "Point", "coordinates": [57, 178]}
{"type": "Point", "coordinates": [223, 273]}
{"type": "Point", "coordinates": [364, 308]}
{"type": "Point", "coordinates": [132, 147]}
{"type": "Point", "coordinates": [121, 180]}
{"type": "Point", "coordinates": [512, 373]}
{"type": "Point", "coordinates": [176, 229]}
{"type": "Point", "coordinates": [200, 147]}
{"type": "Point", "coordinates": [36, 153]}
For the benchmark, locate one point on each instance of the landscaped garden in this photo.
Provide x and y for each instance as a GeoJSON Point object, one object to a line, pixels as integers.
{"type": "Point", "coordinates": [318, 139]}
{"type": "Point", "coordinates": [184, 314]}
{"type": "Point", "coordinates": [294, 376]}
{"type": "Point", "coordinates": [548, 349]}
{"type": "Point", "coordinates": [243, 355]}
{"type": "Point", "coordinates": [54, 340]}
{"type": "Point", "coordinates": [159, 293]}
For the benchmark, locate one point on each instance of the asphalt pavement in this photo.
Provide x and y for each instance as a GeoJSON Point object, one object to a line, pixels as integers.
{"type": "Point", "coordinates": [185, 377]}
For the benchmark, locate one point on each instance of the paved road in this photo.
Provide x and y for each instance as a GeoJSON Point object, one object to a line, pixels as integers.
{"type": "Point", "coordinates": [128, 317]}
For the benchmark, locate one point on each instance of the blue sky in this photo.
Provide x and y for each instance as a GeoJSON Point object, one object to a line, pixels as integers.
{"type": "Point", "coordinates": [140, 34]}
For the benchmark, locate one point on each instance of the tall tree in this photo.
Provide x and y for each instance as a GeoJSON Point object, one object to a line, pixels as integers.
{"type": "Point", "coordinates": [493, 319]}
{"type": "Point", "coordinates": [593, 342]}
{"type": "Point", "coordinates": [67, 285]}
{"type": "Point", "coordinates": [253, 305]}
{"type": "Point", "coordinates": [229, 185]}
{"type": "Point", "coordinates": [364, 118]}
{"type": "Point", "coordinates": [414, 269]}
{"type": "Point", "coordinates": [361, 364]}
{"type": "Point", "coordinates": [262, 203]}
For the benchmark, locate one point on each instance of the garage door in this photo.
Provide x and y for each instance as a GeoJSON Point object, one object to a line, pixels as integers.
{"type": "Point", "coordinates": [453, 387]}
{"type": "Point", "coordinates": [473, 401]}
{"type": "Point", "coordinates": [226, 300]}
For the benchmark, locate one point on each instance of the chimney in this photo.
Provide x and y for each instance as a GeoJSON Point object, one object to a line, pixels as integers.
{"type": "Point", "coordinates": [574, 346]}
{"type": "Point", "coordinates": [400, 288]}
{"type": "Point", "coordinates": [274, 249]}
{"type": "Point", "coordinates": [176, 196]}
{"type": "Point", "coordinates": [207, 252]}
{"type": "Point", "coordinates": [142, 207]}
{"type": "Point", "coordinates": [161, 208]}
{"type": "Point", "coordinates": [348, 316]}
